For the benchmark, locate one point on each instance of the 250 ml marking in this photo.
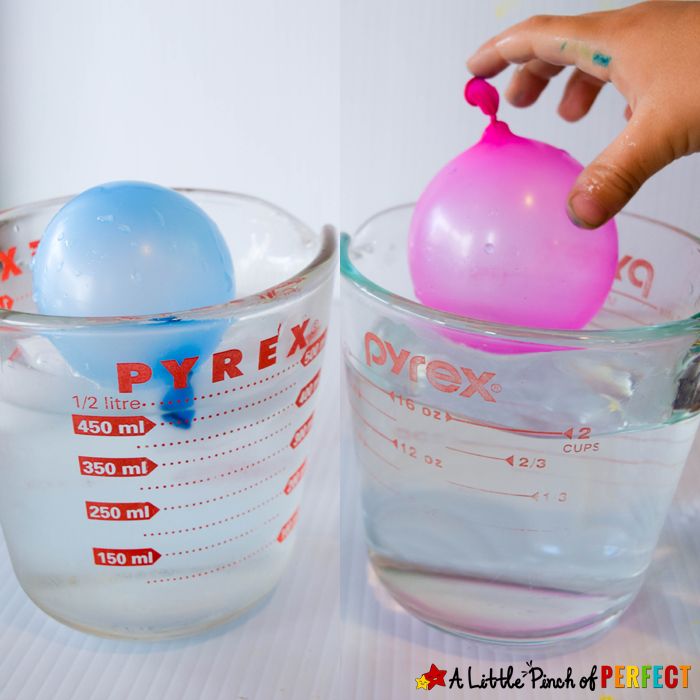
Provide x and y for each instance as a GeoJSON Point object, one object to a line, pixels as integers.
{"type": "Point", "coordinates": [120, 511]}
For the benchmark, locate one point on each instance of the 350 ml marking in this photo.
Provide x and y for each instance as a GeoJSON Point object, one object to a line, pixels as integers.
{"type": "Point", "coordinates": [116, 466]}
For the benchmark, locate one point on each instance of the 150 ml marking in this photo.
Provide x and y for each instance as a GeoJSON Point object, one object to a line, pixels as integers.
{"type": "Point", "coordinates": [125, 557]}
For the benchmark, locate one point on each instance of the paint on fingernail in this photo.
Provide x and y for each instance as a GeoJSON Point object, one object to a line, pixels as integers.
{"type": "Point", "coordinates": [601, 59]}
{"type": "Point", "coordinates": [563, 46]}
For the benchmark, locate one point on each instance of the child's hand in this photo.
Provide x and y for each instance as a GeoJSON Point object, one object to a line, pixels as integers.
{"type": "Point", "coordinates": [650, 52]}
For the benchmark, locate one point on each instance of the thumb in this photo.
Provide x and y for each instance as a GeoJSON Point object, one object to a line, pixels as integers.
{"type": "Point", "coordinates": [611, 180]}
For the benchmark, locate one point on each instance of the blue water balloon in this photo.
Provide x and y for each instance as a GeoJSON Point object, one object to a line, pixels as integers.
{"type": "Point", "coordinates": [132, 249]}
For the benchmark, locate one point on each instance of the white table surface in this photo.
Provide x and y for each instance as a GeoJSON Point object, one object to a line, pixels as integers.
{"type": "Point", "coordinates": [291, 647]}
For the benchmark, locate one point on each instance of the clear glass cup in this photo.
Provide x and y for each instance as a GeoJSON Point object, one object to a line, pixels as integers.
{"type": "Point", "coordinates": [134, 506]}
{"type": "Point", "coordinates": [517, 496]}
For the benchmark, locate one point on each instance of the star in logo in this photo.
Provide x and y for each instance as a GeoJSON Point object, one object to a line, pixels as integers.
{"type": "Point", "coordinates": [422, 683]}
{"type": "Point", "coordinates": [435, 676]}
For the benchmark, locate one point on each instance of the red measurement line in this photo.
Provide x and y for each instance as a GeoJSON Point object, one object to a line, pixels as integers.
{"type": "Point", "coordinates": [230, 494]}
{"type": "Point", "coordinates": [217, 435]}
{"type": "Point", "coordinates": [520, 431]}
{"type": "Point", "coordinates": [214, 523]}
{"type": "Point", "coordinates": [376, 454]}
{"type": "Point", "coordinates": [393, 441]}
{"type": "Point", "coordinates": [497, 493]}
{"type": "Point", "coordinates": [257, 382]}
{"type": "Point", "coordinates": [214, 455]}
{"type": "Point", "coordinates": [230, 410]}
{"type": "Point", "coordinates": [633, 298]}
{"type": "Point", "coordinates": [198, 574]}
{"type": "Point", "coordinates": [221, 542]}
{"type": "Point", "coordinates": [362, 397]}
{"type": "Point", "coordinates": [478, 454]}
{"type": "Point", "coordinates": [221, 475]}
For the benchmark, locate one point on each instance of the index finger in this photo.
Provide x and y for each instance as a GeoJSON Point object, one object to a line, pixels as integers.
{"type": "Point", "coordinates": [560, 40]}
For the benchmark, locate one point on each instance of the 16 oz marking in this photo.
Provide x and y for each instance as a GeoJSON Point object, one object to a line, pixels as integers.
{"type": "Point", "coordinates": [410, 405]}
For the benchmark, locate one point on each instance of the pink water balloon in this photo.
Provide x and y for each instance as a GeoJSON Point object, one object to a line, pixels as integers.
{"type": "Point", "coordinates": [490, 238]}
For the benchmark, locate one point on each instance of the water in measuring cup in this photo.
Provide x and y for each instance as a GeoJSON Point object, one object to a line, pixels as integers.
{"type": "Point", "coordinates": [123, 521]}
{"type": "Point", "coordinates": [522, 535]}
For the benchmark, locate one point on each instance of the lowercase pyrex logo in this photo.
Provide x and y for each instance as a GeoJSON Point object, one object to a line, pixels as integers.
{"type": "Point", "coordinates": [441, 375]}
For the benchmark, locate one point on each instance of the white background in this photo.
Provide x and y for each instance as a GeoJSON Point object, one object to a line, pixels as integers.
{"type": "Point", "coordinates": [240, 95]}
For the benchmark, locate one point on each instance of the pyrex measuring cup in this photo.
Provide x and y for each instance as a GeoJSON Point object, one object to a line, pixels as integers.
{"type": "Point", "coordinates": [139, 502]}
{"type": "Point", "coordinates": [517, 497]}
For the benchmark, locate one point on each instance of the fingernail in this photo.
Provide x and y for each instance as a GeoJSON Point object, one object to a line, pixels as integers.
{"type": "Point", "coordinates": [586, 212]}
{"type": "Point", "coordinates": [517, 98]}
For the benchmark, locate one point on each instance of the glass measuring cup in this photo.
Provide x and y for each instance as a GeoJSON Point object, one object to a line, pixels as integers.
{"type": "Point", "coordinates": [517, 497]}
{"type": "Point", "coordinates": [144, 503]}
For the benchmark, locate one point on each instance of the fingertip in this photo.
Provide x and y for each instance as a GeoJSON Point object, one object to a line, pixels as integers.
{"type": "Point", "coordinates": [568, 113]}
{"type": "Point", "coordinates": [586, 211]}
{"type": "Point", "coordinates": [520, 98]}
{"type": "Point", "coordinates": [486, 62]}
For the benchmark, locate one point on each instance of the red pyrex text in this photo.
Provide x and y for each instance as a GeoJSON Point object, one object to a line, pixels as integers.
{"type": "Point", "coordinates": [441, 375]}
{"type": "Point", "coordinates": [226, 364]}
